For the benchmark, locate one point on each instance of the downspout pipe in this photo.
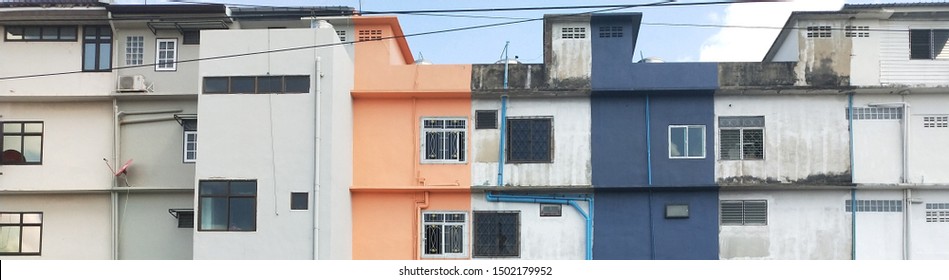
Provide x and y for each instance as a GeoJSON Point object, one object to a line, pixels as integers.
{"type": "Point", "coordinates": [568, 200]}
{"type": "Point", "coordinates": [317, 137]}
{"type": "Point", "coordinates": [503, 121]}
{"type": "Point", "coordinates": [648, 143]}
{"type": "Point", "coordinates": [853, 188]}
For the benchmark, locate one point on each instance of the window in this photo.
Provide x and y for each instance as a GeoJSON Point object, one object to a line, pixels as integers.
{"type": "Point", "coordinates": [936, 122]}
{"type": "Point", "coordinates": [857, 31]}
{"type": "Point", "coordinates": [97, 48]}
{"type": "Point", "coordinates": [677, 211]}
{"type": "Point", "coordinates": [41, 33]}
{"type": "Point", "coordinates": [937, 212]}
{"type": "Point", "coordinates": [299, 201]}
{"type": "Point", "coordinates": [443, 140]}
{"type": "Point", "coordinates": [185, 217]}
{"type": "Point", "coordinates": [875, 113]}
{"type": "Point", "coordinates": [443, 234]}
{"type": "Point", "coordinates": [818, 31]}
{"type": "Point", "coordinates": [227, 205]}
{"type": "Point", "coordinates": [551, 210]}
{"type": "Point", "coordinates": [369, 35]}
{"type": "Point", "coordinates": [21, 233]}
{"type": "Point", "coordinates": [191, 37]}
{"type": "Point", "coordinates": [22, 143]}
{"type": "Point", "coordinates": [166, 54]}
{"type": "Point", "coordinates": [686, 141]}
{"type": "Point", "coordinates": [875, 206]}
{"type": "Point", "coordinates": [257, 84]}
{"type": "Point", "coordinates": [928, 43]}
{"type": "Point", "coordinates": [134, 50]}
{"type": "Point", "coordinates": [744, 212]}
{"type": "Point", "coordinates": [486, 119]}
{"type": "Point", "coordinates": [741, 138]}
{"type": "Point", "coordinates": [497, 234]}
{"type": "Point", "coordinates": [573, 32]}
{"type": "Point", "coordinates": [191, 146]}
{"type": "Point", "coordinates": [530, 140]}
{"type": "Point", "coordinates": [342, 35]}
{"type": "Point", "coordinates": [611, 31]}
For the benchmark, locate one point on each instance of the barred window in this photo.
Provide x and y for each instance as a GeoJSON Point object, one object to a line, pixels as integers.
{"type": "Point", "coordinates": [530, 140]}
{"type": "Point", "coordinates": [744, 212]}
{"type": "Point", "coordinates": [443, 140]}
{"type": "Point", "coordinates": [443, 234]}
{"type": "Point", "coordinates": [741, 138]}
{"type": "Point", "coordinates": [496, 234]}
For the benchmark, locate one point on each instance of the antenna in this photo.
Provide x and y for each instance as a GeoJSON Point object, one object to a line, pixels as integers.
{"type": "Point", "coordinates": [124, 169]}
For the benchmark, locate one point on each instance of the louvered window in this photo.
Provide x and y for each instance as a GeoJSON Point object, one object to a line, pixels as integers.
{"type": "Point", "coordinates": [928, 43]}
{"type": "Point", "coordinates": [744, 212]}
{"type": "Point", "coordinates": [496, 234]}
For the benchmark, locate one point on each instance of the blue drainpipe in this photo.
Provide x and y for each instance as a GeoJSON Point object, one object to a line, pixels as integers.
{"type": "Point", "coordinates": [503, 122]}
{"type": "Point", "coordinates": [570, 200]}
{"type": "Point", "coordinates": [648, 143]}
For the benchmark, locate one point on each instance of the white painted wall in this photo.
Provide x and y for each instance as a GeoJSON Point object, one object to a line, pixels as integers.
{"type": "Point", "coordinates": [76, 137]}
{"type": "Point", "coordinates": [75, 226]}
{"type": "Point", "coordinates": [570, 57]}
{"type": "Point", "coordinates": [928, 240]}
{"type": "Point", "coordinates": [29, 58]}
{"type": "Point", "coordinates": [270, 138]}
{"type": "Point", "coordinates": [804, 136]}
{"type": "Point", "coordinates": [571, 156]}
{"type": "Point", "coordinates": [542, 238]}
{"type": "Point", "coordinates": [147, 231]}
{"type": "Point", "coordinates": [789, 49]}
{"type": "Point", "coordinates": [880, 234]}
{"type": "Point", "coordinates": [865, 54]}
{"type": "Point", "coordinates": [895, 66]}
{"type": "Point", "coordinates": [802, 224]}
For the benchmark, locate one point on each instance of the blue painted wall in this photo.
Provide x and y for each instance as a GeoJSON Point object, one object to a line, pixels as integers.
{"type": "Point", "coordinates": [611, 55]}
{"type": "Point", "coordinates": [681, 108]}
{"type": "Point", "coordinates": [618, 140]}
{"type": "Point", "coordinates": [632, 225]}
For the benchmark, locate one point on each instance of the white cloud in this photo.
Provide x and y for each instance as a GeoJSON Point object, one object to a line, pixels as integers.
{"type": "Point", "coordinates": [751, 44]}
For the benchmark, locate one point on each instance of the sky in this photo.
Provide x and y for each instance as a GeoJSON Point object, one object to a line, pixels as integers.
{"type": "Point", "coordinates": [656, 38]}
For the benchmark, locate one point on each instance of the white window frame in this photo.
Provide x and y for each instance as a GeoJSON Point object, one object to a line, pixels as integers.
{"type": "Point", "coordinates": [184, 146]}
{"type": "Point", "coordinates": [464, 229]}
{"type": "Point", "coordinates": [445, 159]}
{"type": "Point", "coordinates": [159, 62]}
{"type": "Point", "coordinates": [134, 50]}
{"type": "Point", "coordinates": [685, 151]}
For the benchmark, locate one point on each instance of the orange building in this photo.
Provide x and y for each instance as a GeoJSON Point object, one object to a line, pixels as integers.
{"type": "Point", "coordinates": [411, 181]}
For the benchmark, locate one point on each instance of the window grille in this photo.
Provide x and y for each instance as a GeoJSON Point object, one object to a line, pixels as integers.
{"type": "Point", "coordinates": [443, 234]}
{"type": "Point", "coordinates": [530, 140]}
{"type": "Point", "coordinates": [875, 206]}
{"type": "Point", "coordinates": [486, 119]}
{"type": "Point", "coordinates": [741, 138]}
{"type": "Point", "coordinates": [443, 139]}
{"type": "Point", "coordinates": [744, 212]}
{"type": "Point", "coordinates": [496, 234]}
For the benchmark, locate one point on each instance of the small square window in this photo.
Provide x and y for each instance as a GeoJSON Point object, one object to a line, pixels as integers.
{"type": "Point", "coordinates": [299, 201]}
{"type": "Point", "coordinates": [677, 211]}
{"type": "Point", "coordinates": [530, 140]}
{"type": "Point", "coordinates": [486, 119]}
{"type": "Point", "coordinates": [686, 141]}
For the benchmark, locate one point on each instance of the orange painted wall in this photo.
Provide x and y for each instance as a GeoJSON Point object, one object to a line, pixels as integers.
{"type": "Point", "coordinates": [390, 97]}
{"type": "Point", "coordinates": [387, 227]}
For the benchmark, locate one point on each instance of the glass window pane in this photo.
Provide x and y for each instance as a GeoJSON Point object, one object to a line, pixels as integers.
{"type": "Point", "coordinates": [298, 84]}
{"type": "Point", "coordinates": [89, 33]}
{"type": "Point", "coordinates": [12, 143]}
{"type": "Point", "coordinates": [105, 56]}
{"type": "Point", "coordinates": [9, 218]}
{"type": "Point", "coordinates": [243, 188]}
{"type": "Point", "coordinates": [215, 188]}
{"type": "Point", "coordinates": [213, 213]}
{"type": "Point", "coordinates": [67, 33]}
{"type": "Point", "coordinates": [50, 33]}
{"type": "Point", "coordinates": [89, 56]}
{"type": "Point", "coordinates": [242, 214]}
{"type": "Point", "coordinates": [33, 148]}
{"type": "Point", "coordinates": [243, 84]}
{"type": "Point", "coordinates": [31, 239]}
{"type": "Point", "coordinates": [32, 218]}
{"type": "Point", "coordinates": [269, 84]}
{"type": "Point", "coordinates": [215, 85]}
{"type": "Point", "coordinates": [9, 239]}
{"type": "Point", "coordinates": [33, 127]}
{"type": "Point", "coordinates": [14, 33]}
{"type": "Point", "coordinates": [299, 201]}
{"type": "Point", "coordinates": [31, 33]}
{"type": "Point", "coordinates": [677, 141]}
{"type": "Point", "coordinates": [12, 127]}
{"type": "Point", "coordinates": [696, 142]}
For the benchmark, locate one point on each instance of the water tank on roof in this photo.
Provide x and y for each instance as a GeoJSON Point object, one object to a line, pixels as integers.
{"type": "Point", "coordinates": [651, 60]}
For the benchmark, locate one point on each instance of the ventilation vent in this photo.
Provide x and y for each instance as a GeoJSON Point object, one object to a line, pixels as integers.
{"type": "Point", "coordinates": [818, 31]}
{"type": "Point", "coordinates": [744, 212]}
{"type": "Point", "coordinates": [573, 33]}
{"type": "Point", "coordinates": [936, 122]}
{"type": "Point", "coordinates": [856, 31]}
{"type": "Point", "coordinates": [876, 206]}
{"type": "Point", "coordinates": [611, 31]}
{"type": "Point", "coordinates": [937, 212]}
{"type": "Point", "coordinates": [486, 119]}
{"type": "Point", "coordinates": [551, 210]}
{"type": "Point", "coordinates": [370, 35]}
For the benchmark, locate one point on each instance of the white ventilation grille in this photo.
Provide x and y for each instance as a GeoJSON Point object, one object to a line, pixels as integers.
{"type": "Point", "coordinates": [936, 122]}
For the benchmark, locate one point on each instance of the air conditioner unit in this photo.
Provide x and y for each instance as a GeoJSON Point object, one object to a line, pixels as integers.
{"type": "Point", "coordinates": [132, 83]}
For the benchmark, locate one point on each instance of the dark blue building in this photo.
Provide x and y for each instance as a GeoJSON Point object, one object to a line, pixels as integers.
{"type": "Point", "coordinates": [652, 150]}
